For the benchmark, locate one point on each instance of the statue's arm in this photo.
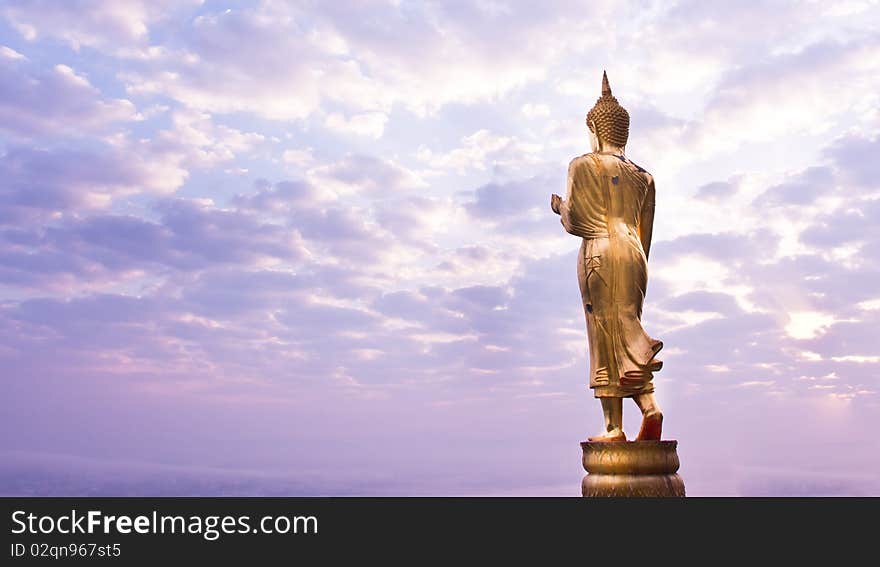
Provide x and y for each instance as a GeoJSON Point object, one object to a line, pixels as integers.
{"type": "Point", "coordinates": [563, 207]}
{"type": "Point", "coordinates": [646, 220]}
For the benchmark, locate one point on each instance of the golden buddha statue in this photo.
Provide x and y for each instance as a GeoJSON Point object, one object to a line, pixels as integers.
{"type": "Point", "coordinates": [609, 203]}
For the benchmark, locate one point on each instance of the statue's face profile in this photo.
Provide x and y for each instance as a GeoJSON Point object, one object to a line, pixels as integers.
{"type": "Point", "coordinates": [594, 139]}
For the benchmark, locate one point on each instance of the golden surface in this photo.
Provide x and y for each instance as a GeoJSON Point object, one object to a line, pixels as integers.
{"type": "Point", "coordinates": [632, 458]}
{"type": "Point", "coordinates": [632, 469]}
{"type": "Point", "coordinates": [607, 119]}
{"type": "Point", "coordinates": [618, 486]}
{"type": "Point", "coordinates": [609, 203]}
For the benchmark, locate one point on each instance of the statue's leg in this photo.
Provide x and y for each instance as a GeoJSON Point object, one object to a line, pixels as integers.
{"type": "Point", "coordinates": [647, 403]}
{"type": "Point", "coordinates": [612, 409]}
{"type": "Point", "coordinates": [652, 417]}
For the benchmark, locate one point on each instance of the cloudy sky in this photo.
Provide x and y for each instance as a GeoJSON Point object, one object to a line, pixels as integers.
{"type": "Point", "coordinates": [306, 247]}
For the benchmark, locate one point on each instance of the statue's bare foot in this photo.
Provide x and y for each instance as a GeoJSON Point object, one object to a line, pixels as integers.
{"type": "Point", "coordinates": [610, 437]}
{"type": "Point", "coordinates": [652, 426]}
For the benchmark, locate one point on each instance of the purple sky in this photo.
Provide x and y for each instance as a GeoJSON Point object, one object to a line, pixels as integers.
{"type": "Point", "coordinates": [306, 248]}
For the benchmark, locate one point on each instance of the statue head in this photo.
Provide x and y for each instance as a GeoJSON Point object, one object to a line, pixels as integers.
{"type": "Point", "coordinates": [607, 120]}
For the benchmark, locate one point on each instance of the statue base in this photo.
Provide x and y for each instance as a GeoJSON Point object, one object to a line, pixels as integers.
{"type": "Point", "coordinates": [632, 469]}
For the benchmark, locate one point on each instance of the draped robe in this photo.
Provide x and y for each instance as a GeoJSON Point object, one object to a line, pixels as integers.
{"type": "Point", "coordinates": [609, 203]}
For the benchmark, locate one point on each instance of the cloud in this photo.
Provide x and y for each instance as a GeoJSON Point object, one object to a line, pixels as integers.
{"type": "Point", "coordinates": [327, 55]}
{"type": "Point", "coordinates": [299, 157]}
{"type": "Point", "coordinates": [66, 178]}
{"type": "Point", "coordinates": [44, 181]}
{"type": "Point", "coordinates": [802, 189]}
{"type": "Point", "coordinates": [365, 175]}
{"type": "Point", "coordinates": [508, 201]}
{"type": "Point", "coordinates": [89, 23]}
{"type": "Point", "coordinates": [200, 141]}
{"type": "Point", "coordinates": [535, 110]}
{"type": "Point", "coordinates": [854, 155]}
{"type": "Point", "coordinates": [716, 190]}
{"type": "Point", "coordinates": [56, 101]}
{"type": "Point", "coordinates": [369, 124]}
{"type": "Point", "coordinates": [103, 249]}
{"type": "Point", "coordinates": [789, 92]}
{"type": "Point", "coordinates": [281, 197]}
{"type": "Point", "coordinates": [298, 66]}
{"type": "Point", "coordinates": [483, 150]}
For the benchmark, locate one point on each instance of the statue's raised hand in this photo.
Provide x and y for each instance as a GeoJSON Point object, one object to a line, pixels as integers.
{"type": "Point", "coordinates": [555, 203]}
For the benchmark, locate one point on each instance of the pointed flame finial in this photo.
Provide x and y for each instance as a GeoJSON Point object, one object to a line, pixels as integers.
{"type": "Point", "coordinates": [606, 88]}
